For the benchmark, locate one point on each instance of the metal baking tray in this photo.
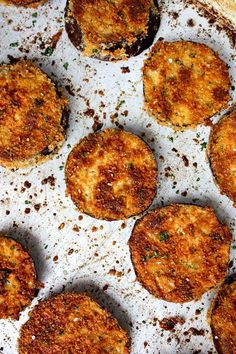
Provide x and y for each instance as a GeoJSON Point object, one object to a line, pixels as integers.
{"type": "Point", "coordinates": [74, 251]}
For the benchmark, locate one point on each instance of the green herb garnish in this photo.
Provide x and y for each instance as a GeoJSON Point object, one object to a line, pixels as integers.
{"type": "Point", "coordinates": [164, 236]}
{"type": "Point", "coordinates": [48, 51]}
{"type": "Point", "coordinates": [65, 65]}
{"type": "Point", "coordinates": [203, 145]}
{"type": "Point", "coordinates": [14, 44]}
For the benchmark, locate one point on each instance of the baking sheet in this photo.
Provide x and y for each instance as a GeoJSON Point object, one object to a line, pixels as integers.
{"type": "Point", "coordinates": [74, 251]}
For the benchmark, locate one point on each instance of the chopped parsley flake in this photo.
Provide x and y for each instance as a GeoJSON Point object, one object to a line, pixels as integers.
{"type": "Point", "coordinates": [203, 145]}
{"type": "Point", "coordinates": [48, 51]}
{"type": "Point", "coordinates": [35, 14]}
{"type": "Point", "coordinates": [14, 44]}
{"type": "Point", "coordinates": [65, 65]}
{"type": "Point", "coordinates": [164, 236]}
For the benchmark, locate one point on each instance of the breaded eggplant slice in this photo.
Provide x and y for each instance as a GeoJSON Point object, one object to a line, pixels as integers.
{"type": "Point", "coordinates": [72, 323]}
{"type": "Point", "coordinates": [185, 84]}
{"type": "Point", "coordinates": [222, 315]}
{"type": "Point", "coordinates": [23, 3]}
{"type": "Point", "coordinates": [112, 30]}
{"type": "Point", "coordinates": [32, 113]}
{"type": "Point", "coordinates": [222, 153]}
{"type": "Point", "coordinates": [18, 280]}
{"type": "Point", "coordinates": [180, 251]}
{"type": "Point", "coordinates": [111, 175]}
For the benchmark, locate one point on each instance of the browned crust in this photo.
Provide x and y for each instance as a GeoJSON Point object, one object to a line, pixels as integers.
{"type": "Point", "coordinates": [185, 83]}
{"type": "Point", "coordinates": [111, 175]}
{"type": "Point", "coordinates": [222, 316]}
{"type": "Point", "coordinates": [32, 113]}
{"type": "Point", "coordinates": [23, 3]}
{"type": "Point", "coordinates": [112, 30]}
{"type": "Point", "coordinates": [180, 251]}
{"type": "Point", "coordinates": [18, 279]}
{"type": "Point", "coordinates": [72, 323]}
{"type": "Point", "coordinates": [222, 154]}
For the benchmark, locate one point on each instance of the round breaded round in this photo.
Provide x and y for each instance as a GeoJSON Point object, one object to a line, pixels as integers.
{"type": "Point", "coordinates": [24, 3]}
{"type": "Point", "coordinates": [72, 323]}
{"type": "Point", "coordinates": [111, 175]}
{"type": "Point", "coordinates": [111, 30]}
{"type": "Point", "coordinates": [222, 153]}
{"type": "Point", "coordinates": [180, 251]}
{"type": "Point", "coordinates": [18, 280]}
{"type": "Point", "coordinates": [185, 83]}
{"type": "Point", "coordinates": [222, 316]}
{"type": "Point", "coordinates": [32, 116]}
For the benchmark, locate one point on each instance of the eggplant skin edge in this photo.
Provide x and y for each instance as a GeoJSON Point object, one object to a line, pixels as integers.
{"type": "Point", "coordinates": [220, 294]}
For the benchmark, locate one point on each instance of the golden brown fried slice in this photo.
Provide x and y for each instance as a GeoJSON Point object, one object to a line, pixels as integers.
{"type": "Point", "coordinates": [111, 175]}
{"type": "Point", "coordinates": [180, 251]}
{"type": "Point", "coordinates": [18, 281]}
{"type": "Point", "coordinates": [112, 30]}
{"type": "Point", "coordinates": [222, 153]}
{"type": "Point", "coordinates": [222, 316]}
{"type": "Point", "coordinates": [72, 323]}
{"type": "Point", "coordinates": [32, 115]}
{"type": "Point", "coordinates": [24, 3]}
{"type": "Point", "coordinates": [185, 83]}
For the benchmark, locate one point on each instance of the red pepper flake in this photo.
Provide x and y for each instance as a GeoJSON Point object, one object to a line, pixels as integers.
{"type": "Point", "coordinates": [123, 225]}
{"type": "Point", "coordinates": [55, 259]}
{"type": "Point", "coordinates": [37, 207]}
{"type": "Point", "coordinates": [27, 184]}
{"type": "Point", "coordinates": [80, 217]}
{"type": "Point", "coordinates": [105, 287]}
{"type": "Point", "coordinates": [27, 210]}
{"type": "Point", "coordinates": [70, 251]}
{"type": "Point", "coordinates": [94, 229]}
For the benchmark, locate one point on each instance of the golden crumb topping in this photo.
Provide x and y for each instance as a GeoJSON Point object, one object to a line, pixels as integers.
{"type": "Point", "coordinates": [111, 175]}
{"type": "Point", "coordinates": [185, 83]}
{"type": "Point", "coordinates": [25, 3]}
{"type": "Point", "coordinates": [108, 27]}
{"type": "Point", "coordinates": [72, 323]}
{"type": "Point", "coordinates": [180, 251]}
{"type": "Point", "coordinates": [18, 283]}
{"type": "Point", "coordinates": [222, 152]}
{"type": "Point", "coordinates": [223, 317]}
{"type": "Point", "coordinates": [31, 115]}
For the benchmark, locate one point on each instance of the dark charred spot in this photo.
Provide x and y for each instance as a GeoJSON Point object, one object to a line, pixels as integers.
{"type": "Point", "coordinates": [169, 324]}
{"type": "Point", "coordinates": [4, 273]}
{"type": "Point", "coordinates": [65, 119]}
{"type": "Point", "coordinates": [191, 22]}
{"type": "Point", "coordinates": [46, 151]}
{"type": "Point", "coordinates": [38, 102]}
{"type": "Point", "coordinates": [185, 160]}
{"type": "Point", "coordinates": [196, 332]}
{"type": "Point", "coordinates": [185, 75]}
{"type": "Point", "coordinates": [220, 94]}
{"type": "Point", "coordinates": [49, 180]}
